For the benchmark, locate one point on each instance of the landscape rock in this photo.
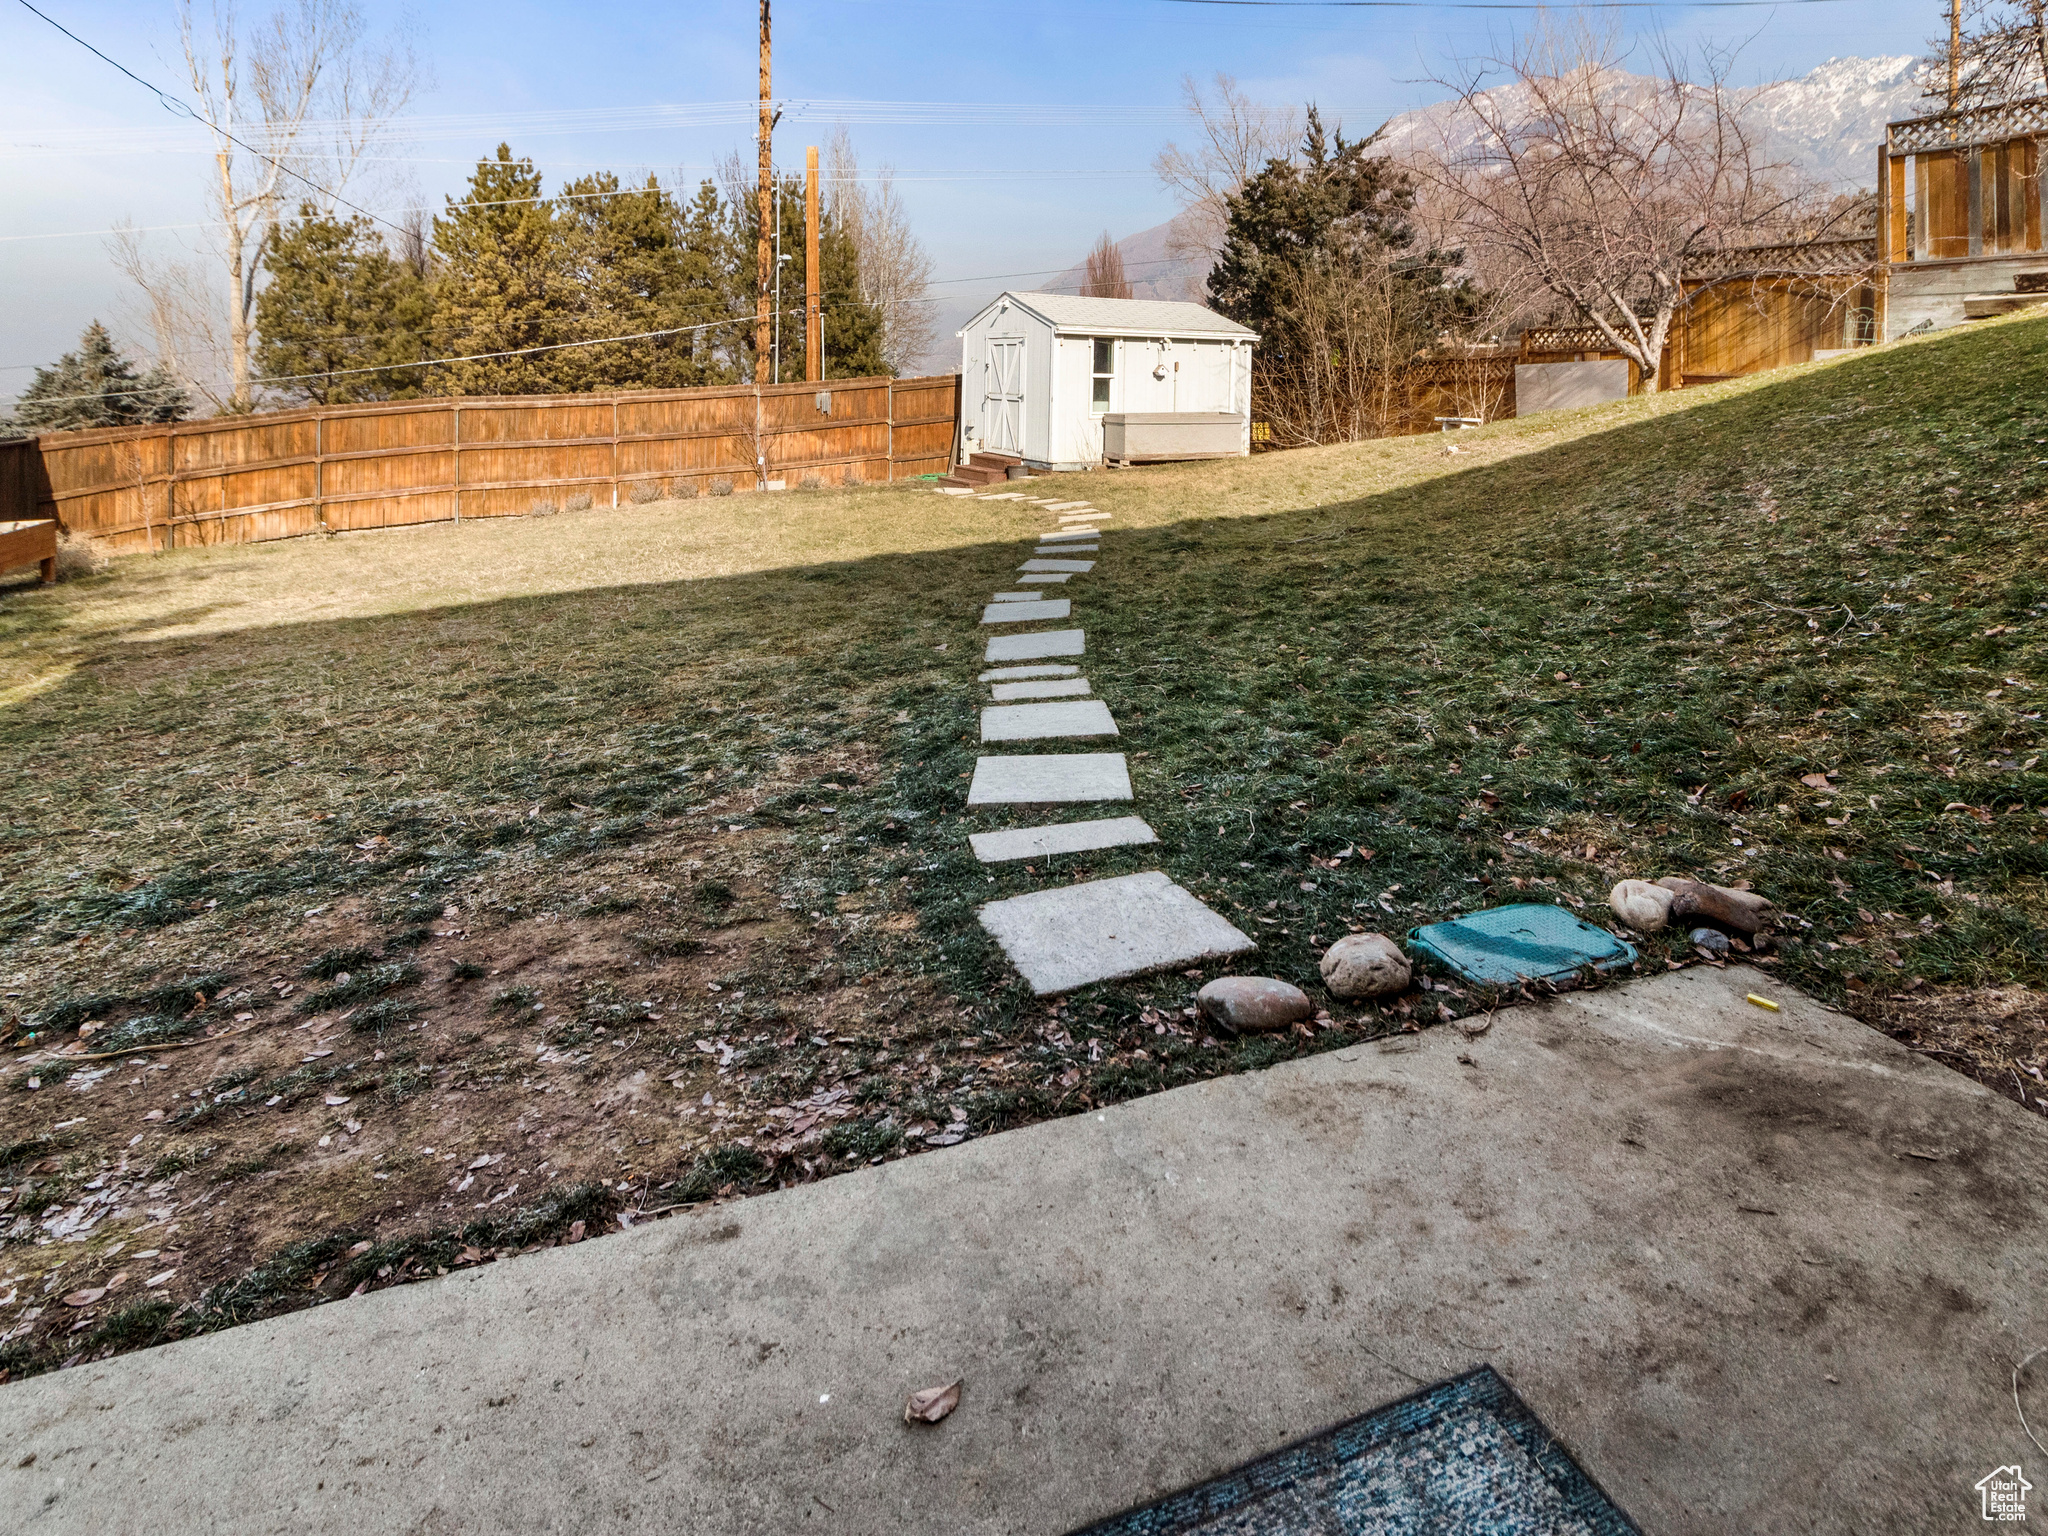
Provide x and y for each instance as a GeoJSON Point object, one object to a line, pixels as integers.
{"type": "Point", "coordinates": [1742, 912]}
{"type": "Point", "coordinates": [1712, 940]}
{"type": "Point", "coordinates": [1246, 1003]}
{"type": "Point", "coordinates": [1643, 906]}
{"type": "Point", "coordinates": [1365, 965]}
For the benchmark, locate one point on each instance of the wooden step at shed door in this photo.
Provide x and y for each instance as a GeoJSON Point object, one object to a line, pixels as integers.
{"type": "Point", "coordinates": [982, 469]}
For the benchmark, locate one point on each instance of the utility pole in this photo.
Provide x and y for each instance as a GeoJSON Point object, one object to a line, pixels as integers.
{"type": "Point", "coordinates": [764, 259]}
{"type": "Point", "coordinates": [1955, 52]}
{"type": "Point", "coordinates": [814, 318]}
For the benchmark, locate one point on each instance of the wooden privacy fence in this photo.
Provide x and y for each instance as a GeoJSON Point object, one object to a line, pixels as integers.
{"type": "Point", "coordinates": [241, 479]}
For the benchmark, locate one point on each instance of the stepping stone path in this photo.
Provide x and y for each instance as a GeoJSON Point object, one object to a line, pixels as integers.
{"type": "Point", "coordinates": [1063, 837]}
{"type": "Point", "coordinates": [1049, 669]}
{"type": "Point", "coordinates": [1065, 778]}
{"type": "Point", "coordinates": [1063, 718]}
{"type": "Point", "coordinates": [1050, 642]}
{"type": "Point", "coordinates": [1103, 930]}
{"type": "Point", "coordinates": [1027, 612]}
{"type": "Point", "coordinates": [1071, 935]}
{"type": "Point", "coordinates": [1051, 688]}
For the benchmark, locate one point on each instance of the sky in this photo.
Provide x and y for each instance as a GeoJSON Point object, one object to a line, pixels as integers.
{"type": "Point", "coordinates": [1036, 128]}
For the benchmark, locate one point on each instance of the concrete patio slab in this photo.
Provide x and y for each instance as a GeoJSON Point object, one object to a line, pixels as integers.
{"type": "Point", "coordinates": [1052, 688]}
{"type": "Point", "coordinates": [1043, 669]}
{"type": "Point", "coordinates": [1100, 930]}
{"type": "Point", "coordinates": [1059, 719]}
{"type": "Point", "coordinates": [1061, 837]}
{"type": "Point", "coordinates": [1063, 778]}
{"type": "Point", "coordinates": [1044, 642]}
{"type": "Point", "coordinates": [1758, 1272]}
{"type": "Point", "coordinates": [1027, 612]}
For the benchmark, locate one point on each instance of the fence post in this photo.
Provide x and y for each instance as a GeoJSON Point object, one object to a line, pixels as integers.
{"type": "Point", "coordinates": [320, 469]}
{"type": "Point", "coordinates": [615, 450]}
{"type": "Point", "coordinates": [455, 476]}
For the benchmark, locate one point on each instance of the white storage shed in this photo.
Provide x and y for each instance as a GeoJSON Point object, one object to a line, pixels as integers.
{"type": "Point", "coordinates": [1040, 371]}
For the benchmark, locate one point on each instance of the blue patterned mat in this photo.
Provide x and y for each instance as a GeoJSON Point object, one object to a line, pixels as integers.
{"type": "Point", "coordinates": [1465, 1456]}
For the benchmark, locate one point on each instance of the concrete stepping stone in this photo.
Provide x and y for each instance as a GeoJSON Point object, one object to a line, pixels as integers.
{"type": "Point", "coordinates": [1076, 566]}
{"type": "Point", "coordinates": [1026, 612]}
{"type": "Point", "coordinates": [1044, 642]}
{"type": "Point", "coordinates": [1003, 496]}
{"type": "Point", "coordinates": [1050, 669]}
{"type": "Point", "coordinates": [1103, 930]}
{"type": "Point", "coordinates": [1061, 538]}
{"type": "Point", "coordinates": [1067, 549]}
{"type": "Point", "coordinates": [954, 490]}
{"type": "Point", "coordinates": [1051, 778]}
{"type": "Point", "coordinates": [1060, 719]}
{"type": "Point", "coordinates": [1062, 837]}
{"type": "Point", "coordinates": [1048, 576]}
{"type": "Point", "coordinates": [1016, 597]}
{"type": "Point", "coordinates": [1051, 688]}
{"type": "Point", "coordinates": [1063, 506]}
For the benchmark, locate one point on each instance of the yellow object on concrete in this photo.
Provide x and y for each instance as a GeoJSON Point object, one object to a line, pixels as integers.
{"type": "Point", "coordinates": [1763, 1002]}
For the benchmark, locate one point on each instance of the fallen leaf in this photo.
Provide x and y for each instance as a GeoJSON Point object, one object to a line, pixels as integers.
{"type": "Point", "coordinates": [334, 1099]}
{"type": "Point", "coordinates": [1815, 781]}
{"type": "Point", "coordinates": [85, 1298]}
{"type": "Point", "coordinates": [156, 1280]}
{"type": "Point", "coordinates": [932, 1404]}
{"type": "Point", "coordinates": [575, 1231]}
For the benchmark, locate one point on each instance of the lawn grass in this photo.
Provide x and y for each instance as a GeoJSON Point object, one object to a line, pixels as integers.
{"type": "Point", "coordinates": [606, 814]}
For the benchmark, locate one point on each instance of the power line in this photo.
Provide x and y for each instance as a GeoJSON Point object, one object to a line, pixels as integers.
{"type": "Point", "coordinates": [172, 104]}
{"type": "Point", "coordinates": [424, 362]}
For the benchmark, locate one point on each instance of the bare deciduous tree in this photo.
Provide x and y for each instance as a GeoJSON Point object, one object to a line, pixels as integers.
{"type": "Point", "coordinates": [1103, 275]}
{"type": "Point", "coordinates": [294, 106]}
{"type": "Point", "coordinates": [1603, 190]}
{"type": "Point", "coordinates": [895, 268]}
{"type": "Point", "coordinates": [1237, 136]}
{"type": "Point", "coordinates": [1995, 51]}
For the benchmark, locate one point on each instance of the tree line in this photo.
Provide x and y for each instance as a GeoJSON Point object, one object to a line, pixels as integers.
{"type": "Point", "coordinates": [526, 292]}
{"type": "Point", "coordinates": [507, 270]}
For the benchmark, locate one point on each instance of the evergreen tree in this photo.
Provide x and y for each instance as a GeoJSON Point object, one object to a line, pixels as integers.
{"type": "Point", "coordinates": [1333, 205]}
{"type": "Point", "coordinates": [338, 302]}
{"type": "Point", "coordinates": [631, 270]}
{"type": "Point", "coordinates": [96, 387]}
{"type": "Point", "coordinates": [500, 284]}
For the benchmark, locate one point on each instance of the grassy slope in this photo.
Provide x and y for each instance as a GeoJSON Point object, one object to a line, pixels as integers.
{"type": "Point", "coordinates": [546, 722]}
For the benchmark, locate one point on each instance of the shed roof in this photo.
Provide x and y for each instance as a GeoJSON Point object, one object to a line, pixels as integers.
{"type": "Point", "coordinates": [1139, 317]}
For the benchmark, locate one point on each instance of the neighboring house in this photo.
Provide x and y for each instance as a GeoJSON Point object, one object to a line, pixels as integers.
{"type": "Point", "coordinates": [1962, 207]}
{"type": "Point", "coordinates": [1040, 372]}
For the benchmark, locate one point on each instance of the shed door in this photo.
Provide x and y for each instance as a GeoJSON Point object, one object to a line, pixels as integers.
{"type": "Point", "coordinates": [1002, 405]}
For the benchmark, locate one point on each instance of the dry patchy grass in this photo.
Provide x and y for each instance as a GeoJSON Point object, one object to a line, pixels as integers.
{"type": "Point", "coordinates": [638, 834]}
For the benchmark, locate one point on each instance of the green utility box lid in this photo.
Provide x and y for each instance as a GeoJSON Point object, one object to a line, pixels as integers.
{"type": "Point", "coordinates": [1526, 942]}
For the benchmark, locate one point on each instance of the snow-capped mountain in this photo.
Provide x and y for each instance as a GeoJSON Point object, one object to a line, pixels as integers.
{"type": "Point", "coordinates": [1832, 118]}
{"type": "Point", "coordinates": [1829, 119]}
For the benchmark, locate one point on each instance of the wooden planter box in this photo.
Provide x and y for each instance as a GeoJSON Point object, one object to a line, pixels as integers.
{"type": "Point", "coordinates": [29, 544]}
{"type": "Point", "coordinates": [1160, 437]}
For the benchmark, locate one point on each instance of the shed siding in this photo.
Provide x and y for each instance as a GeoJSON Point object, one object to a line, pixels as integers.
{"type": "Point", "coordinates": [1077, 430]}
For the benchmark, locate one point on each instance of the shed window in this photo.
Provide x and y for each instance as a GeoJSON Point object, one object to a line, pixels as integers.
{"type": "Point", "coordinates": [1105, 365]}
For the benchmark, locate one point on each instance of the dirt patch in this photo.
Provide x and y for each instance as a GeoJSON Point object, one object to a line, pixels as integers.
{"type": "Point", "coordinates": [1998, 1035]}
{"type": "Point", "coordinates": [356, 1106]}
